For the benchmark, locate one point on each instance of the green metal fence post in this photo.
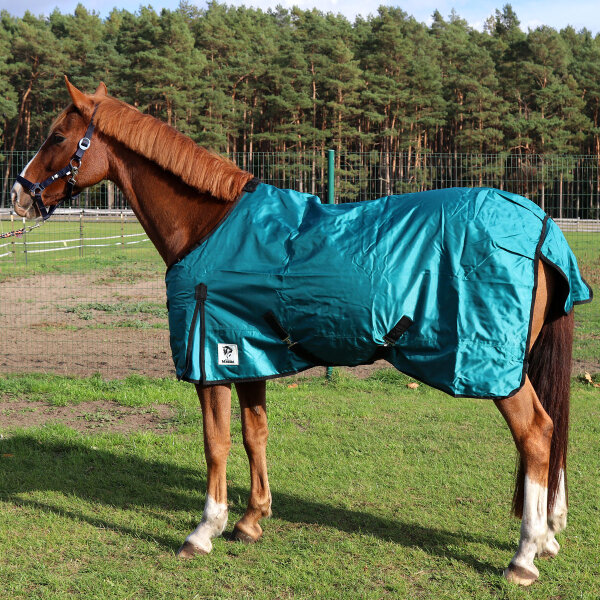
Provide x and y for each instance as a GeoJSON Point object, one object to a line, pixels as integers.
{"type": "Point", "coordinates": [330, 176]}
{"type": "Point", "coordinates": [330, 200]}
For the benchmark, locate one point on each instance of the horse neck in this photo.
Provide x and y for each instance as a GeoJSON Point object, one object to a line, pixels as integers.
{"type": "Point", "coordinates": [174, 215]}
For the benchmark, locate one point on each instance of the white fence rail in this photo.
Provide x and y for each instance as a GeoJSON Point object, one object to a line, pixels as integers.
{"type": "Point", "coordinates": [583, 225]}
{"type": "Point", "coordinates": [70, 212]}
{"type": "Point", "coordinates": [24, 244]}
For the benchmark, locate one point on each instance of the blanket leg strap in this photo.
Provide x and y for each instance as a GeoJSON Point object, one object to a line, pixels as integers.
{"type": "Point", "coordinates": [396, 333]}
{"type": "Point", "coordinates": [295, 347]}
{"type": "Point", "coordinates": [390, 339]}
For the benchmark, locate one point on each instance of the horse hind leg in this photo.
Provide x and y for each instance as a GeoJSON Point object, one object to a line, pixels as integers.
{"type": "Point", "coordinates": [252, 396]}
{"type": "Point", "coordinates": [550, 374]}
{"type": "Point", "coordinates": [216, 415]}
{"type": "Point", "coordinates": [532, 429]}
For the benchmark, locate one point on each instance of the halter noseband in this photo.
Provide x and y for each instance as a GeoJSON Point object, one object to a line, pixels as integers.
{"type": "Point", "coordinates": [36, 189]}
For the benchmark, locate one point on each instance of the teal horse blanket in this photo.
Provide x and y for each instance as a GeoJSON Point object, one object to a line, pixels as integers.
{"type": "Point", "coordinates": [440, 283]}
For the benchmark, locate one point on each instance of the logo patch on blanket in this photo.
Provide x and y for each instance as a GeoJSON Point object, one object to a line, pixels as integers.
{"type": "Point", "coordinates": [227, 354]}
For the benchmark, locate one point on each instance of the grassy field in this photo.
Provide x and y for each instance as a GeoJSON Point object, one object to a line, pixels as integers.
{"type": "Point", "coordinates": [64, 237]}
{"type": "Point", "coordinates": [379, 491]}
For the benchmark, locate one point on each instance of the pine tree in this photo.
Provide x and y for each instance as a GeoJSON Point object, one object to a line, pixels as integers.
{"type": "Point", "coordinates": [79, 35]}
{"type": "Point", "coordinates": [8, 95]}
{"type": "Point", "coordinates": [176, 67]}
{"type": "Point", "coordinates": [35, 64]}
{"type": "Point", "coordinates": [33, 68]}
{"type": "Point", "coordinates": [471, 88]}
{"type": "Point", "coordinates": [386, 60]}
{"type": "Point", "coordinates": [239, 79]}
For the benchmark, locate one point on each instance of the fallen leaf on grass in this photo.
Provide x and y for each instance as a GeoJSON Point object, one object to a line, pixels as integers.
{"type": "Point", "coordinates": [293, 385]}
{"type": "Point", "coordinates": [8, 456]}
{"type": "Point", "coordinates": [588, 377]}
{"type": "Point", "coordinates": [413, 385]}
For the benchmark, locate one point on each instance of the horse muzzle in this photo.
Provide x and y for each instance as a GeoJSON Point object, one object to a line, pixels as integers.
{"type": "Point", "coordinates": [22, 202]}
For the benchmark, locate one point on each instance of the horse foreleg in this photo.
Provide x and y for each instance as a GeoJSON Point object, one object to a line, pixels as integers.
{"type": "Point", "coordinates": [531, 428]}
{"type": "Point", "coordinates": [255, 432]}
{"type": "Point", "coordinates": [216, 412]}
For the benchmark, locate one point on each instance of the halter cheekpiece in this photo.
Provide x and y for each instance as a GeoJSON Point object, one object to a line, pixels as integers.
{"type": "Point", "coordinates": [70, 170]}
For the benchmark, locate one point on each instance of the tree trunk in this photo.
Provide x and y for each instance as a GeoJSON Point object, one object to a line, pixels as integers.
{"type": "Point", "coordinates": [16, 134]}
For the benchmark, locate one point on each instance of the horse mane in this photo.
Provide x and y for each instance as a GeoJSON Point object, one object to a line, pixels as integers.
{"type": "Point", "coordinates": [160, 143]}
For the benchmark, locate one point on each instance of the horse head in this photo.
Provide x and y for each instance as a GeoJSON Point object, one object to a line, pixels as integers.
{"type": "Point", "coordinates": [59, 170]}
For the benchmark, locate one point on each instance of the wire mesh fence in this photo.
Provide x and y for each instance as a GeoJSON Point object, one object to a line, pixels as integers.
{"type": "Point", "coordinates": [84, 292]}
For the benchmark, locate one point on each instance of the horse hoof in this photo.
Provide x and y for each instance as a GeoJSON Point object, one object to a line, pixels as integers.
{"type": "Point", "coordinates": [551, 549]}
{"type": "Point", "coordinates": [244, 537]}
{"type": "Point", "coordinates": [520, 575]}
{"type": "Point", "coordinates": [188, 550]}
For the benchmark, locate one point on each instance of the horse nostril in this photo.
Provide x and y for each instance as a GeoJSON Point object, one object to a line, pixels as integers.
{"type": "Point", "coordinates": [21, 209]}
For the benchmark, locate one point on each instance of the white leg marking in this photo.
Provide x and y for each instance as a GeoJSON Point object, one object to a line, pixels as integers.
{"type": "Point", "coordinates": [214, 521]}
{"type": "Point", "coordinates": [534, 526]}
{"type": "Point", "coordinates": [557, 520]}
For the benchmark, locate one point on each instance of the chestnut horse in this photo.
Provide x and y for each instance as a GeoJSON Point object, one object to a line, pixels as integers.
{"type": "Point", "coordinates": [180, 192]}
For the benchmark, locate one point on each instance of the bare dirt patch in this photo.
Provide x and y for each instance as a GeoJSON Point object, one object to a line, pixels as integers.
{"type": "Point", "coordinates": [43, 326]}
{"type": "Point", "coordinates": [87, 417]}
{"type": "Point", "coordinates": [585, 366]}
{"type": "Point", "coordinates": [47, 325]}
{"type": "Point", "coordinates": [55, 323]}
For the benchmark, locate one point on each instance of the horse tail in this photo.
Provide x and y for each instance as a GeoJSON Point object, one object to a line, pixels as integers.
{"type": "Point", "coordinates": [550, 374]}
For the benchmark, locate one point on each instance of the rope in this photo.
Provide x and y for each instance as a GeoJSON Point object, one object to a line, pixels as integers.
{"type": "Point", "coordinates": [19, 232]}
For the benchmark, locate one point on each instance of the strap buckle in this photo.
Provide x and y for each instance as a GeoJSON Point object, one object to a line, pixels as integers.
{"type": "Point", "coordinates": [84, 143]}
{"type": "Point", "coordinates": [36, 189]}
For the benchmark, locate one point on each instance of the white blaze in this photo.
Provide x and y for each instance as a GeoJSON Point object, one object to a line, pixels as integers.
{"type": "Point", "coordinates": [17, 189]}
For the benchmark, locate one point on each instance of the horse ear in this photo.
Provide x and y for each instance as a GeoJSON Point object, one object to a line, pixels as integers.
{"type": "Point", "coordinates": [83, 103]}
{"type": "Point", "coordinates": [101, 90]}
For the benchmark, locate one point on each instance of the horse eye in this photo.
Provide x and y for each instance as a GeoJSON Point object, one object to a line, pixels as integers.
{"type": "Point", "coordinates": [57, 138]}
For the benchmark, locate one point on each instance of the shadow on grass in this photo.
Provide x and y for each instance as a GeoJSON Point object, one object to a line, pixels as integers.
{"type": "Point", "coordinates": [127, 482]}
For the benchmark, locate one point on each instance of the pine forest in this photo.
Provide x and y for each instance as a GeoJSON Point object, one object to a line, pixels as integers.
{"type": "Point", "coordinates": [246, 81]}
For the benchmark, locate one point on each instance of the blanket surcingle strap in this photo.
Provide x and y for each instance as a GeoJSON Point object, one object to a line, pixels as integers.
{"type": "Point", "coordinates": [441, 284]}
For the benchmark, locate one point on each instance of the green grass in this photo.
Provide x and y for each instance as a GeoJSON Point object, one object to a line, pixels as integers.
{"type": "Point", "coordinates": [128, 260]}
{"type": "Point", "coordinates": [585, 246]}
{"type": "Point", "coordinates": [378, 492]}
{"type": "Point", "coordinates": [86, 310]}
{"type": "Point", "coordinates": [586, 344]}
{"type": "Point", "coordinates": [121, 267]}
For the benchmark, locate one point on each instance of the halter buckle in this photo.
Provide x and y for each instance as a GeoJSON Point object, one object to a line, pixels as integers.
{"type": "Point", "coordinates": [36, 190]}
{"type": "Point", "coordinates": [84, 143]}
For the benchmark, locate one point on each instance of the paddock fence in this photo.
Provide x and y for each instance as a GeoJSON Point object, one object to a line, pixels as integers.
{"type": "Point", "coordinates": [84, 292]}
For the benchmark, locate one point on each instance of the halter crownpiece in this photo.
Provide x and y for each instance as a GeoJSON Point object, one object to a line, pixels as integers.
{"type": "Point", "coordinates": [71, 169]}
